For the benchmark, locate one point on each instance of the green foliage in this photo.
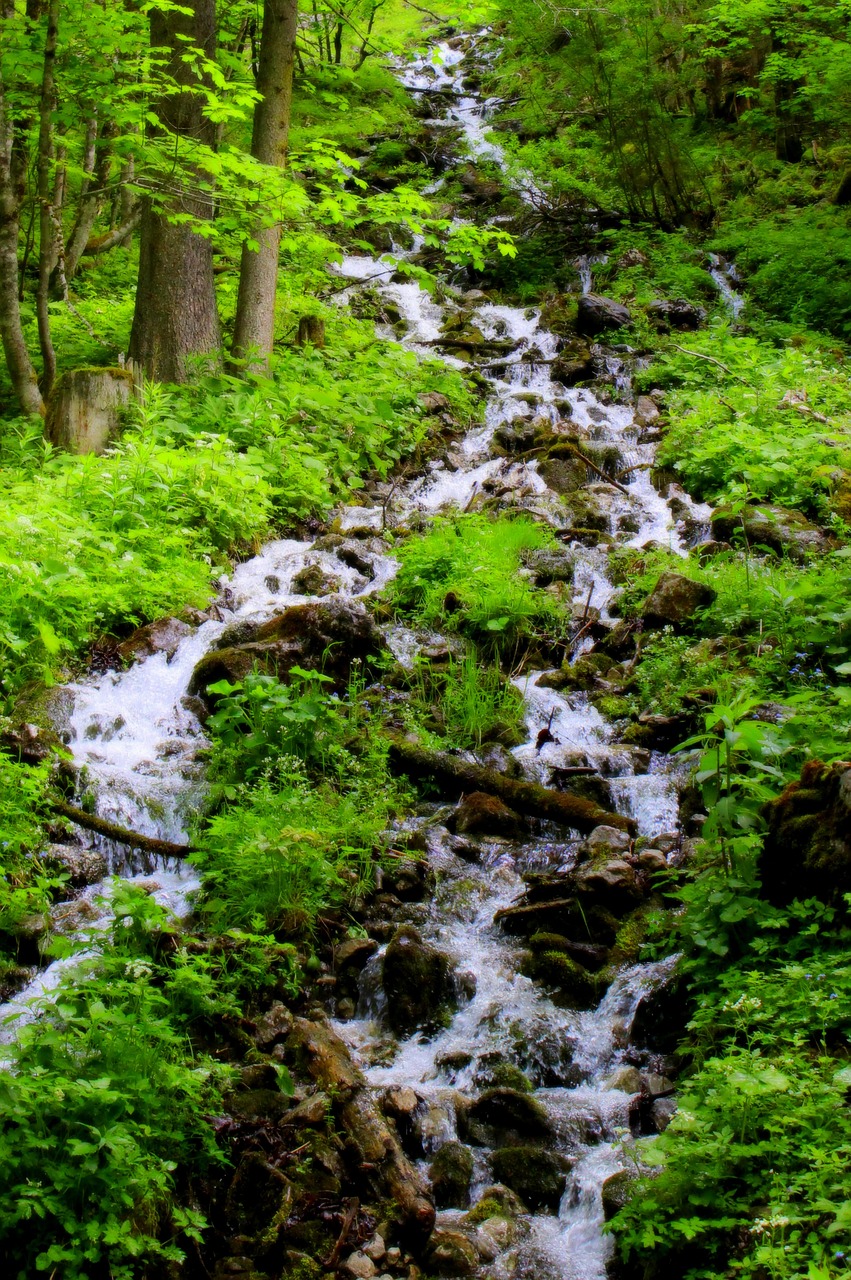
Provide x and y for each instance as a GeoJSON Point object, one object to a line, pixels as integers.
{"type": "Point", "coordinates": [773, 420]}
{"type": "Point", "coordinates": [260, 715]}
{"type": "Point", "coordinates": [26, 885]}
{"type": "Point", "coordinates": [750, 1178]}
{"type": "Point", "coordinates": [101, 1101]}
{"type": "Point", "coordinates": [463, 575]}
{"type": "Point", "coordinates": [470, 703]}
{"type": "Point", "coordinates": [90, 543]}
{"type": "Point", "coordinates": [795, 265]}
{"type": "Point", "coordinates": [306, 793]}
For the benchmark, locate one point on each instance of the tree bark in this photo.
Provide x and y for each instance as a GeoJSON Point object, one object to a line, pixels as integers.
{"type": "Point", "coordinates": [254, 328]}
{"type": "Point", "coordinates": [121, 835]}
{"type": "Point", "coordinates": [526, 797]}
{"type": "Point", "coordinates": [46, 217]}
{"type": "Point", "coordinates": [13, 176]}
{"type": "Point", "coordinates": [176, 318]}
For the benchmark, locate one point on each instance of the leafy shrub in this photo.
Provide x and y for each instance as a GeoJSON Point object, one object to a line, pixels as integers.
{"type": "Point", "coordinates": [737, 425]}
{"type": "Point", "coordinates": [464, 575]}
{"type": "Point", "coordinates": [100, 1104]}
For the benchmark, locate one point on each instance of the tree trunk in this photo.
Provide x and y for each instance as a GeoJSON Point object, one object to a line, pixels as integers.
{"type": "Point", "coordinates": [311, 332]}
{"type": "Point", "coordinates": [254, 328]}
{"type": "Point", "coordinates": [47, 214]}
{"type": "Point", "coordinates": [176, 318]}
{"type": "Point", "coordinates": [97, 163]}
{"type": "Point", "coordinates": [13, 172]}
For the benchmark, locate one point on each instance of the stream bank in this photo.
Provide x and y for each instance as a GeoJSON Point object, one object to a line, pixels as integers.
{"type": "Point", "coordinates": [507, 1096]}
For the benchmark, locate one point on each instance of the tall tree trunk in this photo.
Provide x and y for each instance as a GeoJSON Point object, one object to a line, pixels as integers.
{"type": "Point", "coordinates": [97, 162]}
{"type": "Point", "coordinates": [13, 175]}
{"type": "Point", "coordinates": [254, 329]}
{"type": "Point", "coordinates": [47, 216]}
{"type": "Point", "coordinates": [175, 317]}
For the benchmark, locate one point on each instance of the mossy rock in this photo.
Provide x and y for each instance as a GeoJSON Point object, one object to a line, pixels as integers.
{"type": "Point", "coordinates": [574, 986]}
{"type": "Point", "coordinates": [807, 850]}
{"type": "Point", "coordinates": [507, 1116]}
{"type": "Point", "coordinates": [496, 1202]}
{"type": "Point", "coordinates": [451, 1172]}
{"type": "Point", "coordinates": [538, 1177]}
{"type": "Point", "coordinates": [418, 984]}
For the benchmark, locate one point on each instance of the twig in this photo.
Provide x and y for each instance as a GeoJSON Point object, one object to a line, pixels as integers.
{"type": "Point", "coordinates": [698, 355]}
{"type": "Point", "coordinates": [330, 1263]}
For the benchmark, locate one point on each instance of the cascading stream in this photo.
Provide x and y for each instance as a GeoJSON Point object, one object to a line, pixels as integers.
{"type": "Point", "coordinates": [137, 737]}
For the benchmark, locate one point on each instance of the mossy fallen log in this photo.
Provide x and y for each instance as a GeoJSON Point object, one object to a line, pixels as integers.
{"type": "Point", "coordinates": [371, 1143]}
{"type": "Point", "coordinates": [121, 835]}
{"type": "Point", "coordinates": [525, 797]}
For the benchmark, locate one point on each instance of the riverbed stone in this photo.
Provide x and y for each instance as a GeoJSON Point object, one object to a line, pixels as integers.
{"type": "Point", "coordinates": [162, 636]}
{"type": "Point", "coordinates": [605, 840]}
{"type": "Point", "coordinates": [483, 814]}
{"type": "Point", "coordinates": [358, 1266]}
{"type": "Point", "coordinates": [418, 984]}
{"type": "Point", "coordinates": [539, 1177]}
{"type": "Point", "coordinates": [450, 1253]}
{"type": "Point", "coordinates": [314, 580]}
{"type": "Point", "coordinates": [329, 636]}
{"type": "Point", "coordinates": [82, 866]}
{"type": "Point", "coordinates": [451, 1172]}
{"type": "Point", "coordinates": [506, 1116]}
{"type": "Point", "coordinates": [675, 600]}
{"type": "Point", "coordinates": [615, 1192]}
{"type": "Point", "coordinates": [595, 314]}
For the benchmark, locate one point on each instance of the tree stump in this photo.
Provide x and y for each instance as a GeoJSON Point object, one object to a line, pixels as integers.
{"type": "Point", "coordinates": [311, 332]}
{"type": "Point", "coordinates": [84, 409]}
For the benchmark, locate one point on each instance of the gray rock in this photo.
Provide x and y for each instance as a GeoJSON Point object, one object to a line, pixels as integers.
{"type": "Point", "coordinates": [359, 1267]}
{"type": "Point", "coordinates": [417, 981]}
{"type": "Point", "coordinates": [595, 314]}
{"type": "Point", "coordinates": [83, 866]}
{"type": "Point", "coordinates": [605, 839]}
{"type": "Point", "coordinates": [450, 1253]}
{"type": "Point", "coordinates": [539, 1177]}
{"type": "Point", "coordinates": [162, 636]}
{"type": "Point", "coordinates": [675, 600]}
{"type": "Point", "coordinates": [451, 1172]}
{"type": "Point", "coordinates": [676, 313]}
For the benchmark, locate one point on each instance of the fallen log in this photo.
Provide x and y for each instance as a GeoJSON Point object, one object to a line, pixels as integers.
{"type": "Point", "coordinates": [526, 797]}
{"type": "Point", "coordinates": [375, 1148]}
{"type": "Point", "coordinates": [121, 835]}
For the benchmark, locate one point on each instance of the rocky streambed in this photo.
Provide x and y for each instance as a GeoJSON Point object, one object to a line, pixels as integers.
{"type": "Point", "coordinates": [485, 1050]}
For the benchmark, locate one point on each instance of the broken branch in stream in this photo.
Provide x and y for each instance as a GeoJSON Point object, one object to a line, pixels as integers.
{"type": "Point", "coordinates": [121, 835]}
{"type": "Point", "coordinates": [526, 797]}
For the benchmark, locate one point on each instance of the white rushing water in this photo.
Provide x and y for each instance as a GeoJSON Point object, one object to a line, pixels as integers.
{"type": "Point", "coordinates": [136, 735]}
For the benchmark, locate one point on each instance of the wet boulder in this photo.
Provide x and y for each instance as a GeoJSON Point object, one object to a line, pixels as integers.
{"type": "Point", "coordinates": [539, 1177]}
{"type": "Point", "coordinates": [517, 436]}
{"type": "Point", "coordinates": [572, 985]}
{"type": "Point", "coordinates": [596, 314]}
{"type": "Point", "coordinates": [615, 1192]}
{"type": "Point", "coordinates": [162, 636]}
{"type": "Point", "coordinates": [606, 841]}
{"type": "Point", "coordinates": [313, 580]}
{"type": "Point", "coordinates": [609, 882]}
{"type": "Point", "coordinates": [451, 1172]}
{"type": "Point", "coordinates": [572, 366]}
{"type": "Point", "coordinates": [450, 1253]}
{"type": "Point", "coordinates": [807, 850]}
{"type": "Point", "coordinates": [676, 313]}
{"type": "Point", "coordinates": [483, 814]}
{"type": "Point", "coordinates": [675, 600]}
{"type": "Point", "coordinates": [82, 866]}
{"type": "Point", "coordinates": [780, 529]}
{"type": "Point", "coordinates": [418, 983]}
{"type": "Point", "coordinates": [329, 636]}
{"type": "Point", "coordinates": [506, 1116]}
